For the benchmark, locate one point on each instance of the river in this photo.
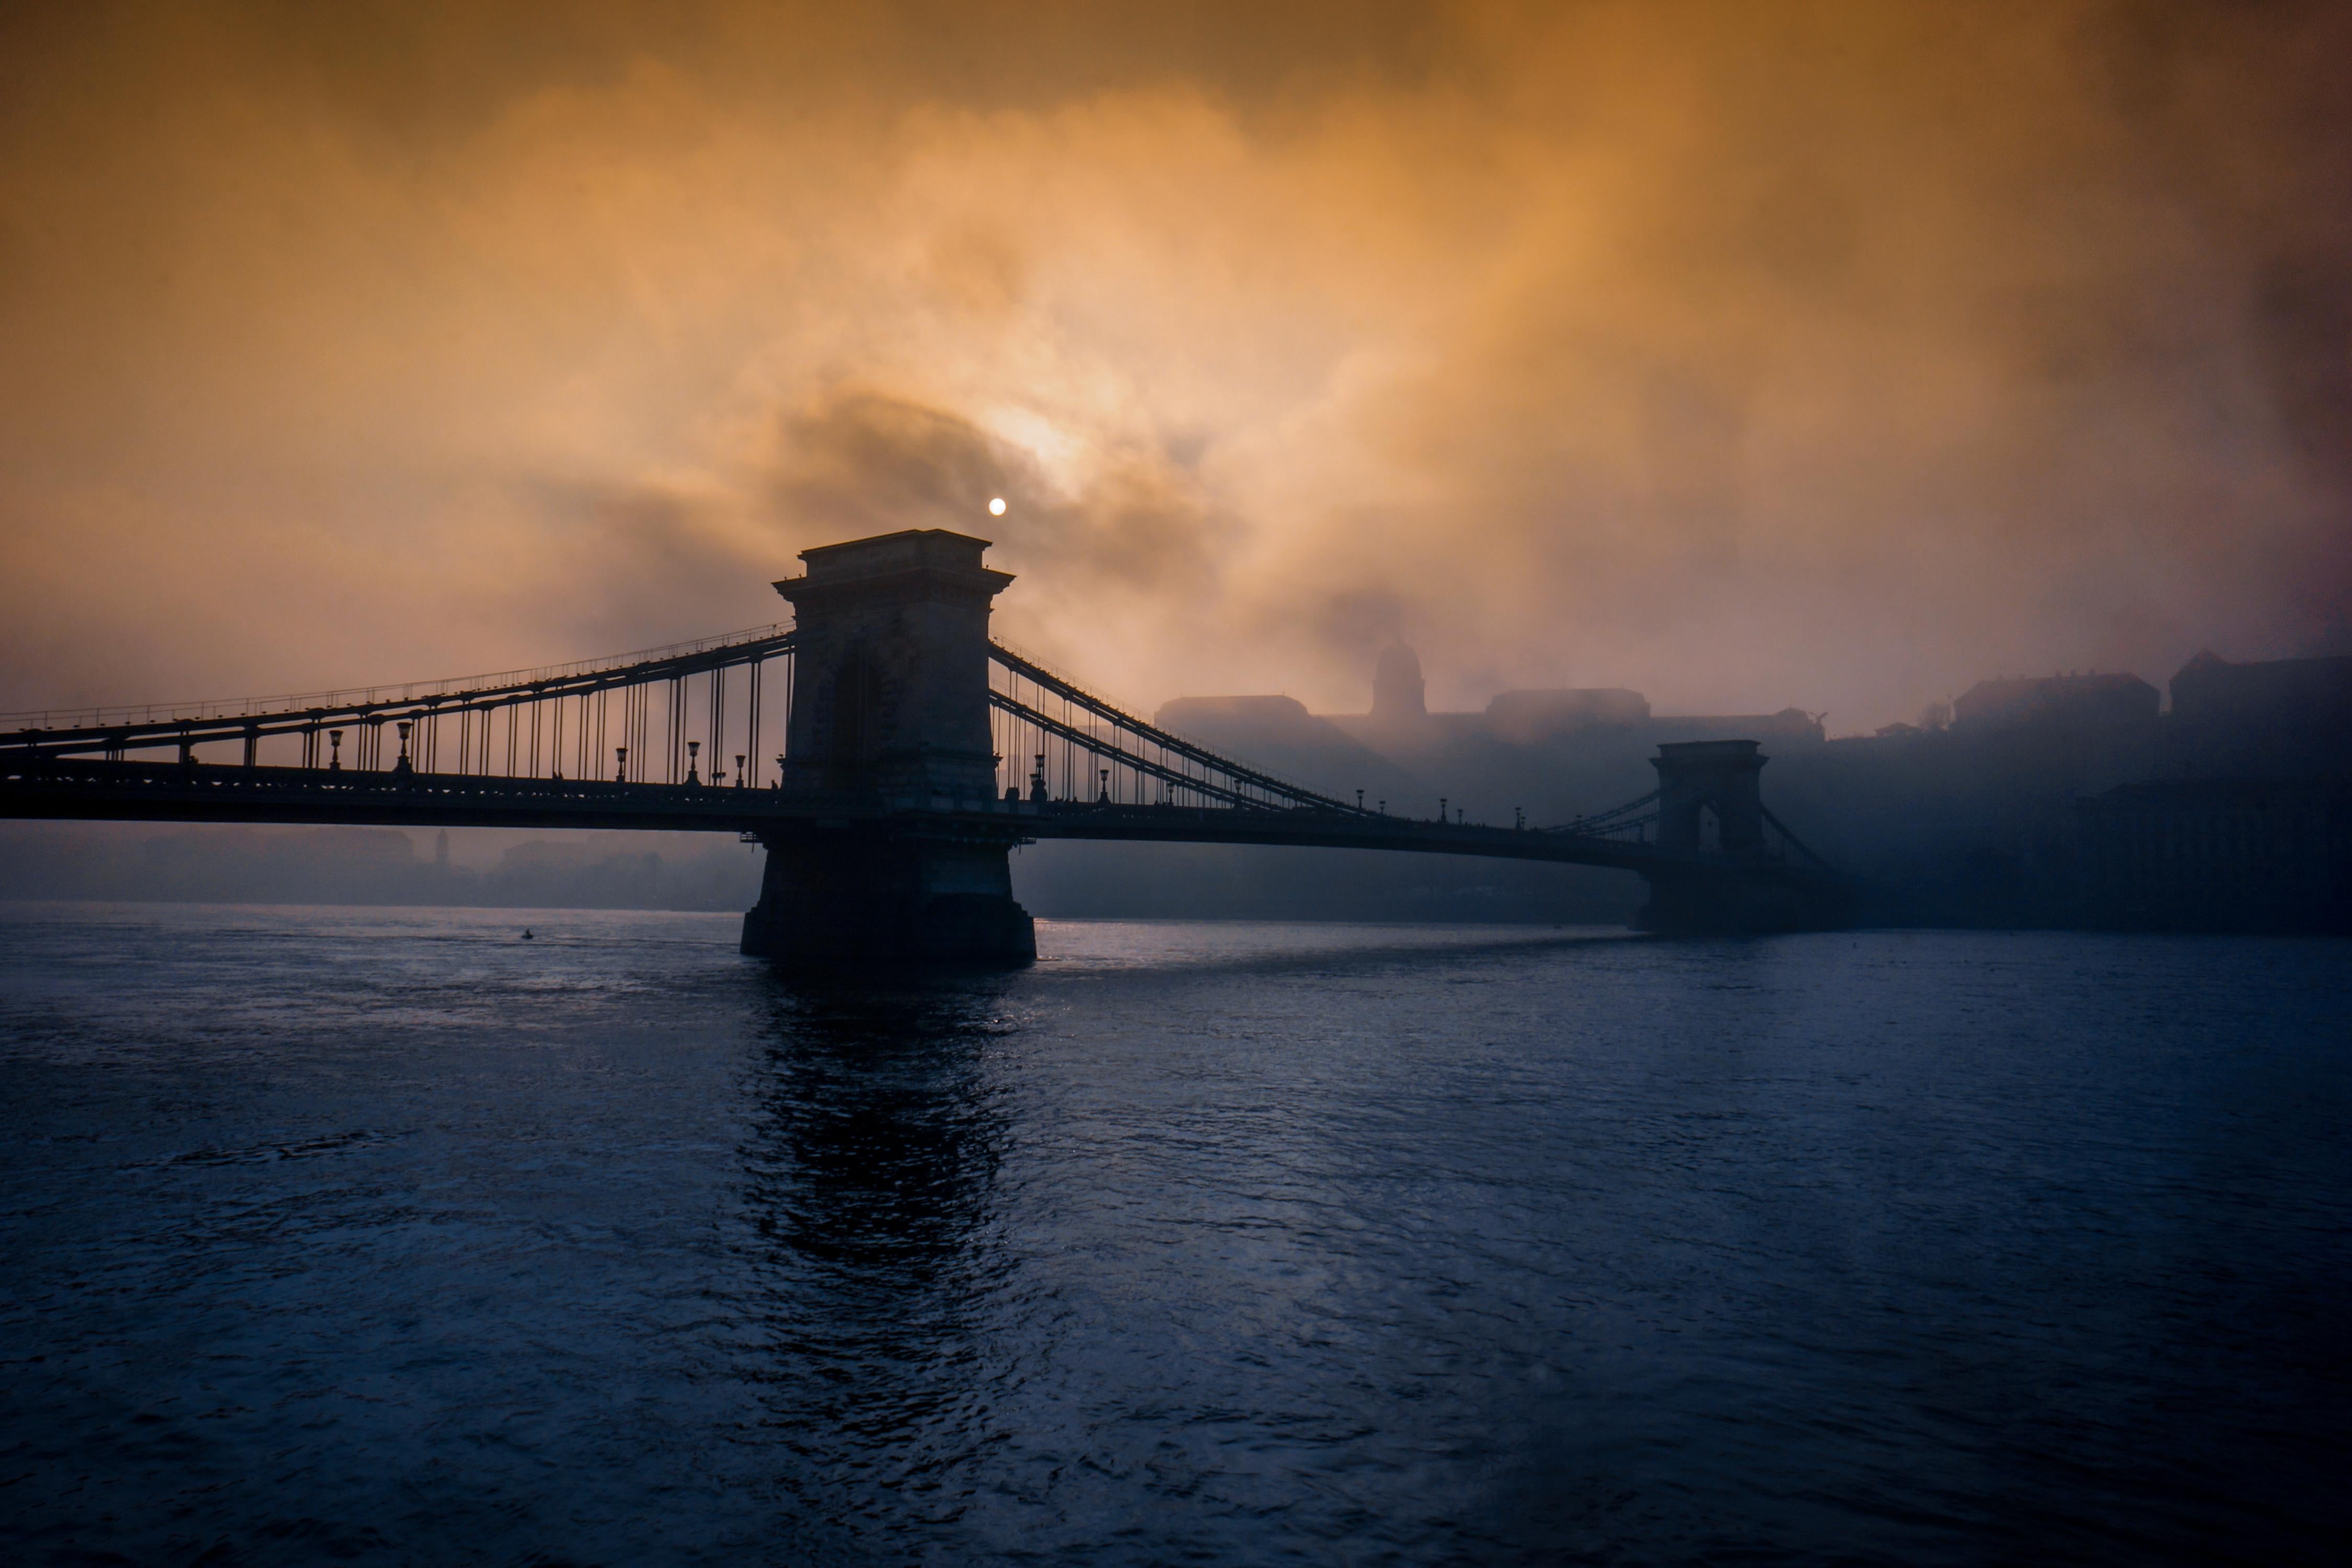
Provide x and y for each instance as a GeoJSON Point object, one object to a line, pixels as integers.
{"type": "Point", "coordinates": [388, 1236]}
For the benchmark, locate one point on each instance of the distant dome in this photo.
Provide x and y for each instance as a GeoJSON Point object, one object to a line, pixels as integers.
{"type": "Point", "coordinates": [1397, 688]}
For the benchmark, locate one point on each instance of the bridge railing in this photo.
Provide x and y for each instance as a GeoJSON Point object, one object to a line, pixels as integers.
{"type": "Point", "coordinates": [667, 717]}
{"type": "Point", "coordinates": [1804, 851]}
{"type": "Point", "coordinates": [1633, 818]}
{"type": "Point", "coordinates": [551, 721]}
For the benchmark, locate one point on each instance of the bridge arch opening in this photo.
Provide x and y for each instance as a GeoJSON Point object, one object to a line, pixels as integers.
{"type": "Point", "coordinates": [1709, 797]}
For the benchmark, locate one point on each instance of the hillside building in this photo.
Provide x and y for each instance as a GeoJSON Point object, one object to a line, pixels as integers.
{"type": "Point", "coordinates": [2111, 698]}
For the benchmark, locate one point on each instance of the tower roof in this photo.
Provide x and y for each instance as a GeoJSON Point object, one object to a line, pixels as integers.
{"type": "Point", "coordinates": [945, 560]}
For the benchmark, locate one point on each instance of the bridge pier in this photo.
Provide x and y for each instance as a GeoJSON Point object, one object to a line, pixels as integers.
{"type": "Point", "coordinates": [890, 711]}
{"type": "Point", "coordinates": [1706, 903]}
{"type": "Point", "coordinates": [869, 897]}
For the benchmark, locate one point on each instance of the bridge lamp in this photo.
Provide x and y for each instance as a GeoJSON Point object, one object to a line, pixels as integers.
{"type": "Point", "coordinates": [996, 507]}
{"type": "Point", "coordinates": [693, 750]}
{"type": "Point", "coordinates": [334, 749]}
{"type": "Point", "coordinates": [738, 769]}
{"type": "Point", "coordinates": [402, 725]}
{"type": "Point", "coordinates": [620, 764]}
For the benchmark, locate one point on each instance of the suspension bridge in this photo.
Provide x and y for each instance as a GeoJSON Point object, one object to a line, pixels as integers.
{"type": "Point", "coordinates": [911, 754]}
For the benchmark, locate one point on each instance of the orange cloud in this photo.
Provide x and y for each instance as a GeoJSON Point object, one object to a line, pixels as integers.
{"type": "Point", "coordinates": [1822, 353]}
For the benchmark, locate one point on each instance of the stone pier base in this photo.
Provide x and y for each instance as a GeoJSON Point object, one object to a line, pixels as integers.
{"type": "Point", "coordinates": [1702, 905]}
{"type": "Point", "coordinates": [869, 898]}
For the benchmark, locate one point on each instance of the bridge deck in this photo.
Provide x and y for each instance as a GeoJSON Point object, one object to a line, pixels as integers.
{"type": "Point", "coordinates": [91, 789]}
{"type": "Point", "coordinates": [914, 861]}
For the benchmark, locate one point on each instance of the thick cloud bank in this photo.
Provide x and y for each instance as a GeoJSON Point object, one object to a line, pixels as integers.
{"type": "Point", "coordinates": [1746, 355]}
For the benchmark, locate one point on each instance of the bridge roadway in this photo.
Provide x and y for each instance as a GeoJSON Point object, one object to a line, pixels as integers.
{"type": "Point", "coordinates": [92, 790]}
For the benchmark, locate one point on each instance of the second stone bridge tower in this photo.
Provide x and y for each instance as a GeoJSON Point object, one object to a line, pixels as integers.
{"type": "Point", "coordinates": [890, 712]}
{"type": "Point", "coordinates": [1710, 796]}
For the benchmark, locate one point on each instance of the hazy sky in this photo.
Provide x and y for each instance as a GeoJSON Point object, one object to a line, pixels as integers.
{"type": "Point", "coordinates": [1746, 355]}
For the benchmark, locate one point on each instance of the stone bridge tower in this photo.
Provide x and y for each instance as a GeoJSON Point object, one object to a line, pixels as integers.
{"type": "Point", "coordinates": [890, 667]}
{"type": "Point", "coordinates": [1722, 779]}
{"type": "Point", "coordinates": [890, 716]}
{"type": "Point", "coordinates": [1726, 882]}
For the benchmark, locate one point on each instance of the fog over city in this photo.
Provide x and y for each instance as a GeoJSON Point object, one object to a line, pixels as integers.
{"type": "Point", "coordinates": [1317, 780]}
{"type": "Point", "coordinates": [1835, 355]}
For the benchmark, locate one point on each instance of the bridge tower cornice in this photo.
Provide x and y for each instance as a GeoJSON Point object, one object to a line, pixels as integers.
{"type": "Point", "coordinates": [910, 567]}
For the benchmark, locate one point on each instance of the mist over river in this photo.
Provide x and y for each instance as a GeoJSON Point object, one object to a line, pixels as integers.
{"type": "Point", "coordinates": [387, 1235]}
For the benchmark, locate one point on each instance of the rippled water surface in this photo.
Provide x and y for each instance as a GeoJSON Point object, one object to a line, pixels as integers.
{"type": "Point", "coordinates": [386, 1235]}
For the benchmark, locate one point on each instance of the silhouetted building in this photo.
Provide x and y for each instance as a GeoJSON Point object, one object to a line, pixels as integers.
{"type": "Point", "coordinates": [1789, 724]}
{"type": "Point", "coordinates": [2056, 699]}
{"type": "Point", "coordinates": [1527, 717]}
{"type": "Point", "coordinates": [1186, 715]}
{"type": "Point", "coordinates": [2287, 717]}
{"type": "Point", "coordinates": [1279, 734]}
{"type": "Point", "coordinates": [1400, 721]}
{"type": "Point", "coordinates": [2013, 815]}
{"type": "Point", "coordinates": [2218, 855]}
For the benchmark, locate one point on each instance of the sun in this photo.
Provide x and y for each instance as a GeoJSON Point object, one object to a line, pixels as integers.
{"type": "Point", "coordinates": [996, 507]}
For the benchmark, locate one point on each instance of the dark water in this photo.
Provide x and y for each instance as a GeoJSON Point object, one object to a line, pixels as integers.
{"type": "Point", "coordinates": [383, 1237]}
